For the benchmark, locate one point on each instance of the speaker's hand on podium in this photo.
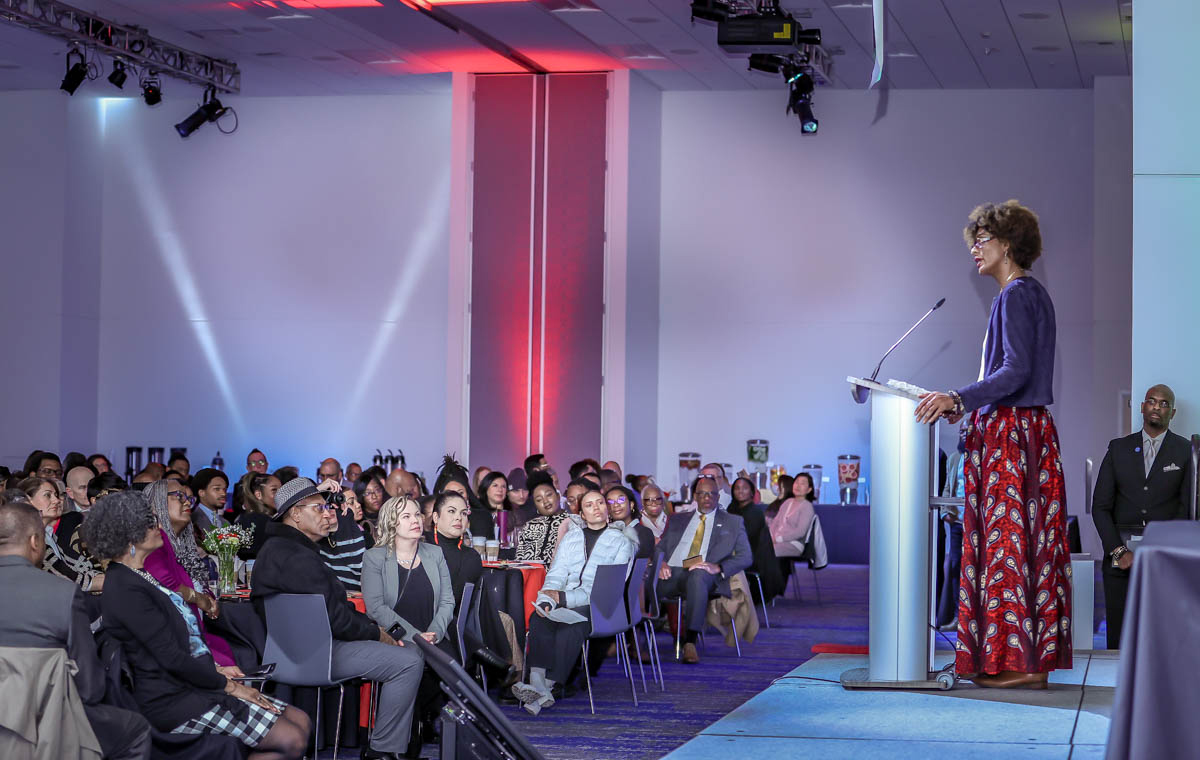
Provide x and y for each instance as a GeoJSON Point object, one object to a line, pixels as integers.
{"type": "Point", "coordinates": [934, 406]}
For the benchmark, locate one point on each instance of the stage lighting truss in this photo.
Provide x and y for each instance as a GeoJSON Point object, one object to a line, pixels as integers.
{"type": "Point", "coordinates": [130, 44]}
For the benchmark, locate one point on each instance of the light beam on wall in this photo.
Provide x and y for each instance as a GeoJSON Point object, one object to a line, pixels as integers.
{"type": "Point", "coordinates": [175, 260]}
{"type": "Point", "coordinates": [434, 225]}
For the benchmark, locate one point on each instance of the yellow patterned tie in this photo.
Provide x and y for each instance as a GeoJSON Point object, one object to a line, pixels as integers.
{"type": "Point", "coordinates": [698, 541]}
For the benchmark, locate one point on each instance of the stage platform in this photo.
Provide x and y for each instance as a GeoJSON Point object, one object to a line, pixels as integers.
{"type": "Point", "coordinates": [807, 713]}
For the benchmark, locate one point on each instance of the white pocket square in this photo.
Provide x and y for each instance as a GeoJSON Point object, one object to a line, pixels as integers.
{"type": "Point", "coordinates": [1172, 467]}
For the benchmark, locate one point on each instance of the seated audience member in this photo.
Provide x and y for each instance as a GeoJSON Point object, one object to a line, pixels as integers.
{"type": "Point", "coordinates": [100, 463]}
{"type": "Point", "coordinates": [538, 538]}
{"type": "Point", "coordinates": [654, 510]}
{"type": "Point", "coordinates": [74, 459]}
{"type": "Point", "coordinates": [477, 478]}
{"type": "Point", "coordinates": [342, 550]}
{"type": "Point", "coordinates": [401, 482]}
{"type": "Point", "coordinates": [180, 464]}
{"type": "Point", "coordinates": [65, 553]}
{"type": "Point", "coordinates": [449, 524]}
{"type": "Point", "coordinates": [178, 566]}
{"type": "Point", "coordinates": [615, 466]}
{"type": "Point", "coordinates": [353, 507]}
{"type": "Point", "coordinates": [426, 504]}
{"type": "Point", "coordinates": [576, 489]}
{"type": "Point", "coordinates": [609, 478]}
{"type": "Point", "coordinates": [492, 493]}
{"type": "Point", "coordinates": [353, 471]}
{"type": "Point", "coordinates": [534, 463]}
{"type": "Point", "coordinates": [286, 473]}
{"type": "Point", "coordinates": [702, 550]}
{"type": "Point", "coordinates": [762, 547]}
{"type": "Point", "coordinates": [44, 464]}
{"type": "Point", "coordinates": [104, 484]}
{"type": "Point", "coordinates": [290, 563]}
{"type": "Point", "coordinates": [371, 495]}
{"type": "Point", "coordinates": [725, 490]}
{"type": "Point", "coordinates": [77, 484]}
{"type": "Point", "coordinates": [622, 509]}
{"type": "Point", "coordinates": [175, 682]}
{"type": "Point", "coordinates": [258, 505]}
{"type": "Point", "coordinates": [553, 646]}
{"type": "Point", "coordinates": [209, 486]}
{"type": "Point", "coordinates": [256, 461]}
{"type": "Point", "coordinates": [584, 467]}
{"type": "Point", "coordinates": [518, 500]}
{"type": "Point", "coordinates": [790, 526]}
{"type": "Point", "coordinates": [407, 582]}
{"type": "Point", "coordinates": [784, 489]}
{"type": "Point", "coordinates": [41, 611]}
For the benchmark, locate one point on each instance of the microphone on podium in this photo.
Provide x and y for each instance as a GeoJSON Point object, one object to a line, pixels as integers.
{"type": "Point", "coordinates": [861, 393]}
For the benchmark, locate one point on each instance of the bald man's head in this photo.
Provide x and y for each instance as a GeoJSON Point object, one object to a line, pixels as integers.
{"type": "Point", "coordinates": [402, 483]}
{"type": "Point", "coordinates": [21, 532]}
{"type": "Point", "coordinates": [1158, 409]}
{"type": "Point", "coordinates": [330, 469]}
{"type": "Point", "coordinates": [77, 483]}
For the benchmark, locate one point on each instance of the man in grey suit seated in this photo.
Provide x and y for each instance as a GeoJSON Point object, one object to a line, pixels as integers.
{"type": "Point", "coordinates": [702, 550]}
{"type": "Point", "coordinates": [44, 611]}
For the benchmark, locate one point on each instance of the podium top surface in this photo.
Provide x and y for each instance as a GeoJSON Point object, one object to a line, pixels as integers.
{"type": "Point", "coordinates": [906, 391]}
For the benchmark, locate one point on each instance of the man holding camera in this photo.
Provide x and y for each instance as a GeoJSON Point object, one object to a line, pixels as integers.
{"type": "Point", "coordinates": [290, 563]}
{"type": "Point", "coordinates": [1143, 477]}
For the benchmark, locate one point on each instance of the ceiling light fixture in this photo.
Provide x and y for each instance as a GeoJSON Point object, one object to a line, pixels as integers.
{"type": "Point", "coordinates": [210, 109]}
{"type": "Point", "coordinates": [800, 98]}
{"type": "Point", "coordinates": [76, 72]}
{"type": "Point", "coordinates": [151, 90]}
{"type": "Point", "coordinates": [117, 77]}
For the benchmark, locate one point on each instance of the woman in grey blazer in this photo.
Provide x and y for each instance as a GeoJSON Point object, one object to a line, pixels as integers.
{"type": "Point", "coordinates": [406, 582]}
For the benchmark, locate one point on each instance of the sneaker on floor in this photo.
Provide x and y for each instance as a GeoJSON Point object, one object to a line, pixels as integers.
{"type": "Point", "coordinates": [528, 695]}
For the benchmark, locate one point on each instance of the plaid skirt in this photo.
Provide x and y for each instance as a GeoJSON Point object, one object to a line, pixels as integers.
{"type": "Point", "coordinates": [250, 728]}
{"type": "Point", "coordinates": [1014, 596]}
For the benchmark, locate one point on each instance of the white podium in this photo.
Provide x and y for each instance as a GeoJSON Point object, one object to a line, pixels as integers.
{"type": "Point", "coordinates": [904, 499]}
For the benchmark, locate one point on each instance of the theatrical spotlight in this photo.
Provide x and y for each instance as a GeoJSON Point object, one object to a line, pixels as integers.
{"type": "Point", "coordinates": [800, 99]}
{"type": "Point", "coordinates": [209, 110]}
{"type": "Point", "coordinates": [151, 90]}
{"type": "Point", "coordinates": [768, 62]}
{"type": "Point", "coordinates": [75, 73]}
{"type": "Point", "coordinates": [710, 10]}
{"type": "Point", "coordinates": [117, 77]}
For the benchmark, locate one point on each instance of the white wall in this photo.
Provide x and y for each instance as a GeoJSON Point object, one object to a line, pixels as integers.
{"type": "Point", "coordinates": [789, 262]}
{"type": "Point", "coordinates": [283, 287]}
{"type": "Point", "coordinates": [1166, 196]}
{"type": "Point", "coordinates": [33, 168]}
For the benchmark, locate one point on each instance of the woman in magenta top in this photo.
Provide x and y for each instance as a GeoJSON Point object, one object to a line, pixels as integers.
{"type": "Point", "coordinates": [1014, 611]}
{"type": "Point", "coordinates": [178, 566]}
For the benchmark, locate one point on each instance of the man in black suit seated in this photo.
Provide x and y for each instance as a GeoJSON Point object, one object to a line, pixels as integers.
{"type": "Point", "coordinates": [291, 563]}
{"type": "Point", "coordinates": [43, 611]}
{"type": "Point", "coordinates": [702, 550]}
{"type": "Point", "coordinates": [1143, 477]}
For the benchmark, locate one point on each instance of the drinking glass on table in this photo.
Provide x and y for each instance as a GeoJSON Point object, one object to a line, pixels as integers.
{"type": "Point", "coordinates": [492, 548]}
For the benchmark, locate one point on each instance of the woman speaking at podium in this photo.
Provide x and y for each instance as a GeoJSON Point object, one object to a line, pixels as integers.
{"type": "Point", "coordinates": [1014, 603]}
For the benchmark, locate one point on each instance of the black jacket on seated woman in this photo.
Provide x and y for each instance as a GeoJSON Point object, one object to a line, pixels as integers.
{"type": "Point", "coordinates": [176, 683]}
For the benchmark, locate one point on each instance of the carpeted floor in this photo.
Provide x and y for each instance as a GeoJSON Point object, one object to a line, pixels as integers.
{"type": "Point", "coordinates": [698, 695]}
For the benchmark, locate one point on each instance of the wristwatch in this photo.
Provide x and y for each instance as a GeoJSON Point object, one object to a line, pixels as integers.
{"type": "Point", "coordinates": [1117, 553]}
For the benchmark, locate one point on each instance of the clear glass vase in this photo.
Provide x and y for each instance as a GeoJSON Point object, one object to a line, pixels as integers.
{"type": "Point", "coordinates": [226, 572]}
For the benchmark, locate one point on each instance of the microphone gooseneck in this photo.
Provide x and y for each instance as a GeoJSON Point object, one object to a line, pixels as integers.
{"type": "Point", "coordinates": [860, 393]}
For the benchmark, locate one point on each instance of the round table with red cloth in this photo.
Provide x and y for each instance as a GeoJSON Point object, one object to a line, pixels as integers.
{"type": "Point", "coordinates": [533, 575]}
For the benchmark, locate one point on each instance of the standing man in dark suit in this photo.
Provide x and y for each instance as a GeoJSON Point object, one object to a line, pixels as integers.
{"type": "Point", "coordinates": [1143, 477]}
{"type": "Point", "coordinates": [44, 611]}
{"type": "Point", "coordinates": [701, 551]}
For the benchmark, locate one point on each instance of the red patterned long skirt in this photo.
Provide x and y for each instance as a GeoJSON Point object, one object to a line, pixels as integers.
{"type": "Point", "coordinates": [1014, 598]}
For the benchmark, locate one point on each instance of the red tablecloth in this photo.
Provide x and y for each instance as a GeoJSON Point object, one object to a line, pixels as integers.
{"type": "Point", "coordinates": [532, 577]}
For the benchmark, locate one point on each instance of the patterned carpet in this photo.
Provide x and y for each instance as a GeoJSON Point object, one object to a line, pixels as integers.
{"type": "Point", "coordinates": [697, 695]}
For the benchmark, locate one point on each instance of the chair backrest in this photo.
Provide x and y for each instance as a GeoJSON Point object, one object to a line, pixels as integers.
{"type": "Point", "coordinates": [651, 606]}
{"type": "Point", "coordinates": [635, 590]}
{"type": "Point", "coordinates": [608, 601]}
{"type": "Point", "coordinates": [299, 641]}
{"type": "Point", "coordinates": [460, 623]}
{"type": "Point", "coordinates": [814, 552]}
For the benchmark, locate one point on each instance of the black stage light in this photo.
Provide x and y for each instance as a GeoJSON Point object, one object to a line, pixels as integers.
{"type": "Point", "coordinates": [768, 62]}
{"type": "Point", "coordinates": [118, 76]}
{"type": "Point", "coordinates": [209, 110]}
{"type": "Point", "coordinates": [151, 90]}
{"type": "Point", "coordinates": [808, 37]}
{"type": "Point", "coordinates": [75, 73]}
{"type": "Point", "coordinates": [710, 10]}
